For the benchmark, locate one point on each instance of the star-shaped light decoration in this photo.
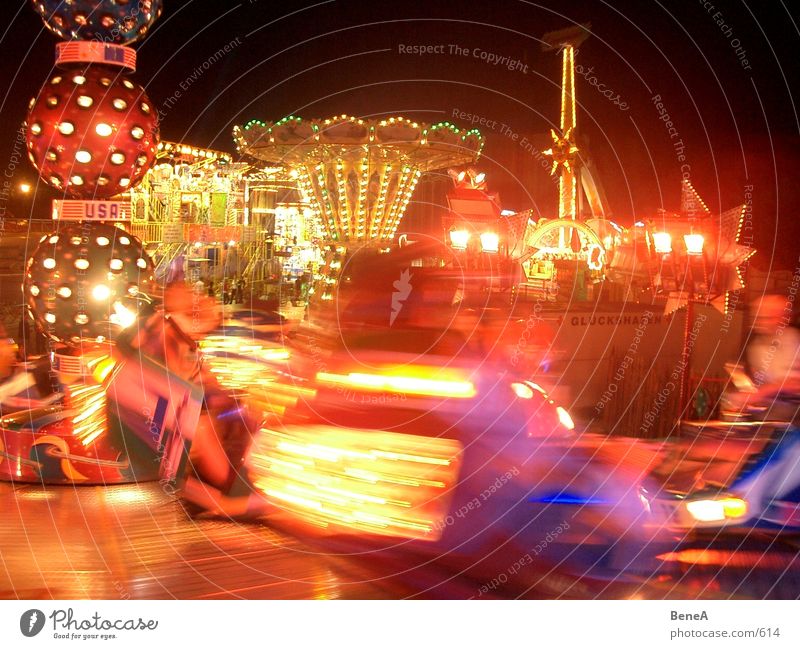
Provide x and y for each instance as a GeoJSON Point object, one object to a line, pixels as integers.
{"type": "Point", "coordinates": [563, 151]}
{"type": "Point", "coordinates": [722, 255]}
{"type": "Point", "coordinates": [692, 206]}
{"type": "Point", "coordinates": [731, 255]}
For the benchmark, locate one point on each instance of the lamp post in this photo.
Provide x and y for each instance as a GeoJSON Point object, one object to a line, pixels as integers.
{"type": "Point", "coordinates": [696, 257]}
{"type": "Point", "coordinates": [683, 276]}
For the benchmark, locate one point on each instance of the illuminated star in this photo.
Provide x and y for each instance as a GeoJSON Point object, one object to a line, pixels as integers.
{"type": "Point", "coordinates": [563, 150]}
{"type": "Point", "coordinates": [730, 251]}
{"type": "Point", "coordinates": [722, 248]}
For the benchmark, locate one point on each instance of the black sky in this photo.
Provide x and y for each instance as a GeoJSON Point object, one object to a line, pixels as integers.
{"type": "Point", "coordinates": [315, 59]}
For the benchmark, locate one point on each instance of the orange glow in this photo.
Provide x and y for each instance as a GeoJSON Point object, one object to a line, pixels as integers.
{"type": "Point", "coordinates": [522, 391]}
{"type": "Point", "coordinates": [431, 382]}
{"type": "Point", "coordinates": [378, 482]}
{"type": "Point", "coordinates": [720, 509]}
{"type": "Point", "coordinates": [249, 347]}
{"type": "Point", "coordinates": [89, 402]}
{"type": "Point", "coordinates": [243, 370]}
{"type": "Point", "coordinates": [490, 242]}
{"type": "Point", "coordinates": [565, 419]}
{"type": "Point", "coordinates": [128, 494]}
{"type": "Point", "coordinates": [102, 368]}
{"type": "Point", "coordinates": [459, 239]}
{"type": "Point", "coordinates": [535, 386]}
{"type": "Point", "coordinates": [734, 507]}
{"type": "Point", "coordinates": [662, 242]}
{"type": "Point", "coordinates": [694, 243]}
{"type": "Point", "coordinates": [729, 558]}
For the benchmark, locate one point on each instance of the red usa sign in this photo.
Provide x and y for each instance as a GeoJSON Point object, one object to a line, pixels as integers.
{"type": "Point", "coordinates": [77, 210]}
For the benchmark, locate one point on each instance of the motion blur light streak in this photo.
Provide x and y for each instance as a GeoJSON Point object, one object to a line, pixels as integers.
{"type": "Point", "coordinates": [244, 347]}
{"type": "Point", "coordinates": [432, 382]}
{"type": "Point", "coordinates": [101, 367]}
{"type": "Point", "coordinates": [90, 402]}
{"type": "Point", "coordinates": [535, 386]}
{"type": "Point", "coordinates": [717, 510]}
{"type": "Point", "coordinates": [122, 316]}
{"type": "Point", "coordinates": [566, 498]}
{"type": "Point", "coordinates": [522, 390]}
{"type": "Point", "coordinates": [730, 558]}
{"type": "Point", "coordinates": [250, 367]}
{"type": "Point", "coordinates": [564, 418]}
{"type": "Point", "coordinates": [378, 482]}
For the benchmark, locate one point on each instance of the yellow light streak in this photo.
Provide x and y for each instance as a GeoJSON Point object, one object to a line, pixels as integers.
{"type": "Point", "coordinates": [407, 384]}
{"type": "Point", "coordinates": [365, 481]}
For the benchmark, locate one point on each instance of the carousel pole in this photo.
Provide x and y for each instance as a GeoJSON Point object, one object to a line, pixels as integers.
{"type": "Point", "coordinates": [684, 401]}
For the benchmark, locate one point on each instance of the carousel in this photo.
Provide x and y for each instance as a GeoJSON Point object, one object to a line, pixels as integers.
{"type": "Point", "coordinates": [358, 175]}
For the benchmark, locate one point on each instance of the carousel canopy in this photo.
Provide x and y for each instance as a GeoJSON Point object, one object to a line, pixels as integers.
{"type": "Point", "coordinates": [358, 174]}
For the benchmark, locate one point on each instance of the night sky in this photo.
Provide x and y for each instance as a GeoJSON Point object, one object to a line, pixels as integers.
{"type": "Point", "coordinates": [735, 115]}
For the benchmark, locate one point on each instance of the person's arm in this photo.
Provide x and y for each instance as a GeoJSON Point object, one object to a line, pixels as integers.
{"type": "Point", "coordinates": [784, 366]}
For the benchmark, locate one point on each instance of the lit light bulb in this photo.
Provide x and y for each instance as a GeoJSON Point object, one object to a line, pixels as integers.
{"type": "Point", "coordinates": [122, 316]}
{"type": "Point", "coordinates": [101, 292]}
{"type": "Point", "coordinates": [459, 239]}
{"type": "Point", "coordinates": [694, 243]}
{"type": "Point", "coordinates": [490, 242]}
{"type": "Point", "coordinates": [662, 242]}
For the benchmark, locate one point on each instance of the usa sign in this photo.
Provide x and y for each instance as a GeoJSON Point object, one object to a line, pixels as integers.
{"type": "Point", "coordinates": [76, 210]}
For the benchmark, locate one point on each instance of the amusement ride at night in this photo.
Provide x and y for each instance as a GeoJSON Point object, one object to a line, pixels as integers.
{"type": "Point", "coordinates": [421, 376]}
{"type": "Point", "coordinates": [93, 134]}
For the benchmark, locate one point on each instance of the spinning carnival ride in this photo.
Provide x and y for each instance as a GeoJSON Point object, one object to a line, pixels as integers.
{"type": "Point", "coordinates": [92, 133]}
{"type": "Point", "coordinates": [564, 258]}
{"type": "Point", "coordinates": [559, 256]}
{"type": "Point", "coordinates": [566, 247]}
{"type": "Point", "coordinates": [359, 174]}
